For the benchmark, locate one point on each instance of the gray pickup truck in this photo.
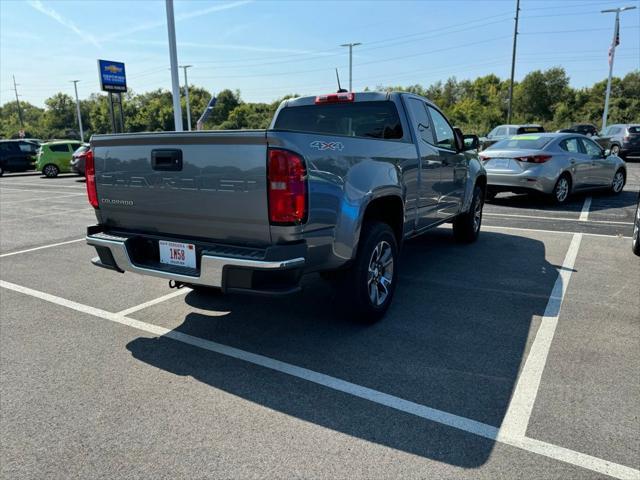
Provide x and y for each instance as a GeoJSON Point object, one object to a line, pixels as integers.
{"type": "Point", "coordinates": [335, 185]}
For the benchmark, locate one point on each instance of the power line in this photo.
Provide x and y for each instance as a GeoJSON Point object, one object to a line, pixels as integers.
{"type": "Point", "coordinates": [15, 89]}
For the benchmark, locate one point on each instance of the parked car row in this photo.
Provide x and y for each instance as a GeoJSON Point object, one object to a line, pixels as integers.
{"type": "Point", "coordinates": [50, 158]}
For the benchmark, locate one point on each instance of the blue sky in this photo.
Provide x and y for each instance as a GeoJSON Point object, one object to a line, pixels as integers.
{"type": "Point", "coordinates": [270, 48]}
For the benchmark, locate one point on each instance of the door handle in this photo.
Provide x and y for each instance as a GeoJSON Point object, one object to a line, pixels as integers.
{"type": "Point", "coordinates": [167, 160]}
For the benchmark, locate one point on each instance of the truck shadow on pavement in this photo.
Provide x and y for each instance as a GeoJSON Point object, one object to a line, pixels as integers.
{"type": "Point", "coordinates": [453, 340]}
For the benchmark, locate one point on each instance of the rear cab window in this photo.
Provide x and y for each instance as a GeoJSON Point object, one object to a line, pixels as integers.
{"type": "Point", "coordinates": [522, 142]}
{"type": "Point", "coordinates": [377, 119]}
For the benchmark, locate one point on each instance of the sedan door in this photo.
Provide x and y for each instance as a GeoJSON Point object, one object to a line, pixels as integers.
{"type": "Point", "coordinates": [602, 167]}
{"type": "Point", "coordinates": [580, 163]}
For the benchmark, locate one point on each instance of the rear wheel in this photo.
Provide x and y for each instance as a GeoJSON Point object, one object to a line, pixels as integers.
{"type": "Point", "coordinates": [615, 149]}
{"type": "Point", "coordinates": [635, 242]}
{"type": "Point", "coordinates": [466, 226]}
{"type": "Point", "coordinates": [51, 171]}
{"type": "Point", "coordinates": [561, 190]}
{"type": "Point", "coordinates": [368, 286]}
{"type": "Point", "coordinates": [618, 182]}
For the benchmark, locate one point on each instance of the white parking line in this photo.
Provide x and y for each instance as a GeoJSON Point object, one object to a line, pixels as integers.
{"type": "Point", "coordinates": [60, 212]}
{"type": "Point", "coordinates": [3, 189]}
{"type": "Point", "coordinates": [584, 214]}
{"type": "Point", "coordinates": [562, 219]}
{"type": "Point", "coordinates": [44, 184]}
{"type": "Point", "coordinates": [455, 421]}
{"type": "Point", "coordinates": [524, 394]}
{"type": "Point", "coordinates": [36, 199]}
{"type": "Point", "coordinates": [564, 232]}
{"type": "Point", "coordinates": [41, 248]}
{"type": "Point", "coordinates": [153, 302]}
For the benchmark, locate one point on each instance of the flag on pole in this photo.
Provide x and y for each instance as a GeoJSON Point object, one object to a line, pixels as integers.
{"type": "Point", "coordinates": [616, 40]}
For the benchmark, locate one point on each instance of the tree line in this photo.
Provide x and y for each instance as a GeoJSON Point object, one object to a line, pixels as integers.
{"type": "Point", "coordinates": [476, 106]}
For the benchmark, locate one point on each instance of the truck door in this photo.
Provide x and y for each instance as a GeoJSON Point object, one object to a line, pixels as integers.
{"type": "Point", "coordinates": [429, 160]}
{"type": "Point", "coordinates": [453, 171]}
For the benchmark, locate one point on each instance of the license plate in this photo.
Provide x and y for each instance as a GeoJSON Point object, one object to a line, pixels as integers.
{"type": "Point", "coordinates": [499, 163]}
{"type": "Point", "coordinates": [176, 253]}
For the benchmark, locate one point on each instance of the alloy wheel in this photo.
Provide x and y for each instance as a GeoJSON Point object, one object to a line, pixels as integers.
{"type": "Point", "coordinates": [380, 273]}
{"type": "Point", "coordinates": [618, 181]}
{"type": "Point", "coordinates": [562, 189]}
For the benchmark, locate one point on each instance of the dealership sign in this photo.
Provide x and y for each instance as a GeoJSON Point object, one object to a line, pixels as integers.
{"type": "Point", "coordinates": [112, 76]}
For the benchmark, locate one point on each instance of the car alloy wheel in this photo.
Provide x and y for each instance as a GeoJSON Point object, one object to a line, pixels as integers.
{"type": "Point", "coordinates": [562, 189]}
{"type": "Point", "coordinates": [615, 150]}
{"type": "Point", "coordinates": [618, 182]}
{"type": "Point", "coordinates": [380, 273]}
{"type": "Point", "coordinates": [50, 171]}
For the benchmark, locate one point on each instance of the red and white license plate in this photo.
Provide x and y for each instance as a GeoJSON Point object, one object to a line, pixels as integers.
{"type": "Point", "coordinates": [176, 253]}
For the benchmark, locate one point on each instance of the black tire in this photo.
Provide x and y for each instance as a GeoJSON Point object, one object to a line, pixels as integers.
{"type": "Point", "coordinates": [1, 170]}
{"type": "Point", "coordinates": [362, 294]}
{"type": "Point", "coordinates": [635, 239]}
{"type": "Point", "coordinates": [466, 226]}
{"type": "Point", "coordinates": [561, 190]}
{"type": "Point", "coordinates": [617, 184]}
{"type": "Point", "coordinates": [50, 170]}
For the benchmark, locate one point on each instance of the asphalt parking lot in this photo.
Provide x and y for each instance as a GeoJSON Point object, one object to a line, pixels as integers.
{"type": "Point", "coordinates": [517, 356]}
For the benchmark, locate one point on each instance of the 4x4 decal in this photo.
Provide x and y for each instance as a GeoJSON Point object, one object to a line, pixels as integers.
{"type": "Point", "coordinates": [322, 145]}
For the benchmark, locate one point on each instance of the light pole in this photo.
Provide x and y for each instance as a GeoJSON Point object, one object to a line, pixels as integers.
{"type": "Point", "coordinates": [513, 62]}
{"type": "Point", "coordinates": [186, 90]}
{"type": "Point", "coordinates": [612, 54]}
{"type": "Point", "coordinates": [75, 87]}
{"type": "Point", "coordinates": [350, 45]}
{"type": "Point", "coordinates": [173, 57]}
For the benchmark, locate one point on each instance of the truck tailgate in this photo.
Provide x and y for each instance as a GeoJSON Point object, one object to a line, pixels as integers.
{"type": "Point", "coordinates": [207, 184]}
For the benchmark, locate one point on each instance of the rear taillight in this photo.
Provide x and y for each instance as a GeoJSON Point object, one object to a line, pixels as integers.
{"type": "Point", "coordinates": [287, 178]}
{"type": "Point", "coordinates": [90, 173]}
{"type": "Point", "coordinates": [336, 97]}
{"type": "Point", "coordinates": [534, 158]}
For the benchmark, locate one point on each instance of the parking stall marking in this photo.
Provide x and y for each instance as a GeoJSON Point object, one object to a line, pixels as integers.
{"type": "Point", "coordinates": [45, 184]}
{"type": "Point", "coordinates": [563, 232]}
{"type": "Point", "coordinates": [555, 219]}
{"type": "Point", "coordinates": [36, 199]}
{"type": "Point", "coordinates": [41, 247]}
{"type": "Point", "coordinates": [455, 421]}
{"type": "Point", "coordinates": [524, 394]}
{"type": "Point", "coordinates": [584, 214]}
{"type": "Point", "coordinates": [49, 214]}
{"type": "Point", "coordinates": [150, 303]}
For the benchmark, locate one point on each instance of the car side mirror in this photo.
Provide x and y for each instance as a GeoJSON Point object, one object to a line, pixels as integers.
{"type": "Point", "coordinates": [606, 153]}
{"type": "Point", "coordinates": [459, 137]}
{"type": "Point", "coordinates": [471, 142]}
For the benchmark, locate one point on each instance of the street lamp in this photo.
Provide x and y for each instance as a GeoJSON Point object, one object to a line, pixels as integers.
{"type": "Point", "coordinates": [612, 54]}
{"type": "Point", "coordinates": [75, 87]}
{"type": "Point", "coordinates": [350, 45]}
{"type": "Point", "coordinates": [186, 90]}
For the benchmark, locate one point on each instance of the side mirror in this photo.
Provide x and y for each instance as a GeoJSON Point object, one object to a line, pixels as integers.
{"type": "Point", "coordinates": [459, 139]}
{"type": "Point", "coordinates": [471, 142]}
{"type": "Point", "coordinates": [606, 153]}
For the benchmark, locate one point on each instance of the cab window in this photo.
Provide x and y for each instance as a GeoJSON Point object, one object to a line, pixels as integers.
{"type": "Point", "coordinates": [420, 119]}
{"type": "Point", "coordinates": [443, 133]}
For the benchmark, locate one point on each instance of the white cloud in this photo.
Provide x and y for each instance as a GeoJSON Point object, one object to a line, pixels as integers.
{"type": "Point", "coordinates": [178, 18]}
{"type": "Point", "coordinates": [51, 13]}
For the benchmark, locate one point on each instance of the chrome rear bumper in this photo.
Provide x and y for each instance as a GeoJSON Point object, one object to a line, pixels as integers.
{"type": "Point", "coordinates": [211, 272]}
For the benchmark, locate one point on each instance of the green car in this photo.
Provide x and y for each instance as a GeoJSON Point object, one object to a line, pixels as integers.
{"type": "Point", "coordinates": [55, 157]}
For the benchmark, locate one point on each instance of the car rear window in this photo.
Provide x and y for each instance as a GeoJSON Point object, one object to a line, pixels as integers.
{"type": "Point", "coordinates": [81, 149]}
{"type": "Point", "coordinates": [360, 119]}
{"type": "Point", "coordinates": [635, 129]}
{"type": "Point", "coordinates": [530, 129]}
{"type": "Point", "coordinates": [522, 142]}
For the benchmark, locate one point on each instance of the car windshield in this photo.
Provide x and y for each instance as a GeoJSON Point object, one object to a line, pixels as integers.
{"type": "Point", "coordinates": [81, 149]}
{"type": "Point", "coordinates": [522, 142]}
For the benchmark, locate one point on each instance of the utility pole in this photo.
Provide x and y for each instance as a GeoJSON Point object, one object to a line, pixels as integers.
{"type": "Point", "coordinates": [15, 89]}
{"type": "Point", "coordinates": [350, 45]}
{"type": "Point", "coordinates": [612, 54]}
{"type": "Point", "coordinates": [173, 57]}
{"type": "Point", "coordinates": [513, 62]}
{"type": "Point", "coordinates": [75, 87]}
{"type": "Point", "coordinates": [186, 90]}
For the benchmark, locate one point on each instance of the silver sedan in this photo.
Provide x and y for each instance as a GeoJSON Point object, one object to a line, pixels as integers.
{"type": "Point", "coordinates": [555, 164]}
